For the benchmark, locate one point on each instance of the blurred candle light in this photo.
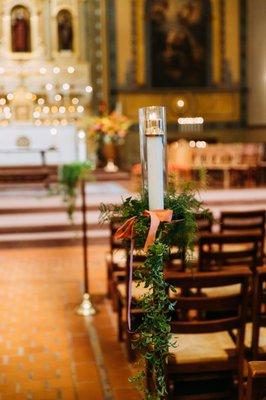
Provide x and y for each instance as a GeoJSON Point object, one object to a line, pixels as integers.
{"type": "Point", "coordinates": [80, 109]}
{"type": "Point", "coordinates": [49, 86]}
{"type": "Point", "coordinates": [56, 70]}
{"type": "Point", "coordinates": [180, 103]}
{"type": "Point", "coordinates": [46, 110]}
{"type": "Point", "coordinates": [53, 131]}
{"type": "Point", "coordinates": [54, 109]}
{"type": "Point", "coordinates": [71, 69]}
{"type": "Point", "coordinates": [43, 70]}
{"type": "Point", "coordinates": [66, 86]}
{"type": "Point", "coordinates": [75, 101]}
{"type": "Point", "coordinates": [36, 114]}
{"type": "Point", "coordinates": [88, 89]}
{"type": "Point", "coordinates": [62, 109]}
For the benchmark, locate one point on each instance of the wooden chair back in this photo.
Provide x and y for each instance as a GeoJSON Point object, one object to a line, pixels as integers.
{"type": "Point", "coordinates": [114, 266]}
{"type": "Point", "coordinates": [228, 311]}
{"type": "Point", "coordinates": [256, 385]}
{"type": "Point", "coordinates": [204, 223]}
{"type": "Point", "coordinates": [115, 244]}
{"type": "Point", "coordinates": [247, 222]}
{"type": "Point", "coordinates": [258, 311]}
{"type": "Point", "coordinates": [220, 249]}
{"type": "Point", "coordinates": [191, 300]}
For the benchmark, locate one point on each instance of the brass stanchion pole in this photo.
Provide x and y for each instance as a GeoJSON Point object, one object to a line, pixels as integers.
{"type": "Point", "coordinates": [85, 308]}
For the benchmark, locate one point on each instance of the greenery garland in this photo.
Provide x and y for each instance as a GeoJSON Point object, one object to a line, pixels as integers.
{"type": "Point", "coordinates": [69, 177]}
{"type": "Point", "coordinates": [153, 338]}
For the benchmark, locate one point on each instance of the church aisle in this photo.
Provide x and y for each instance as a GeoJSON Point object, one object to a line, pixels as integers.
{"type": "Point", "coordinates": [45, 349]}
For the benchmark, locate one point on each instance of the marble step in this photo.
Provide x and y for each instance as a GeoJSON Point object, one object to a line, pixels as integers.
{"type": "Point", "coordinates": [52, 239]}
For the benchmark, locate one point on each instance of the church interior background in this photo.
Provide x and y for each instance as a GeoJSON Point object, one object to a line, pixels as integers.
{"type": "Point", "coordinates": [66, 67]}
{"type": "Point", "coordinates": [57, 67]}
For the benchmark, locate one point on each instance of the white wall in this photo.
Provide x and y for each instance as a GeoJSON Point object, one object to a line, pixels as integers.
{"type": "Point", "coordinates": [256, 37]}
{"type": "Point", "coordinates": [40, 138]}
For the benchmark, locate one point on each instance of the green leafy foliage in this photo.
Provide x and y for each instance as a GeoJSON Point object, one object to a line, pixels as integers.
{"type": "Point", "coordinates": [181, 232]}
{"type": "Point", "coordinates": [69, 177]}
{"type": "Point", "coordinates": [153, 338]}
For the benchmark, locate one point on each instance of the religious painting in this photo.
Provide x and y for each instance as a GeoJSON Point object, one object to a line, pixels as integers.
{"type": "Point", "coordinates": [65, 30]}
{"type": "Point", "coordinates": [179, 35]}
{"type": "Point", "coordinates": [20, 30]}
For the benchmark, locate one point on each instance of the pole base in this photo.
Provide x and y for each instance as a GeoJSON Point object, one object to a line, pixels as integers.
{"type": "Point", "coordinates": [86, 308]}
{"type": "Point", "coordinates": [110, 166]}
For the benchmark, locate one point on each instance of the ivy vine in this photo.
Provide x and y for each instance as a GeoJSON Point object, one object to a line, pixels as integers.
{"type": "Point", "coordinates": [69, 177]}
{"type": "Point", "coordinates": [153, 337]}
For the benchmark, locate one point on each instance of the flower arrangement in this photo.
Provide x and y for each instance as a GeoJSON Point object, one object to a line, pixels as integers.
{"type": "Point", "coordinates": [109, 128]}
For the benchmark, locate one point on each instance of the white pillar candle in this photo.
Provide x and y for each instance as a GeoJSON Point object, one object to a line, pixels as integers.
{"type": "Point", "coordinates": [152, 128]}
{"type": "Point", "coordinates": [155, 164]}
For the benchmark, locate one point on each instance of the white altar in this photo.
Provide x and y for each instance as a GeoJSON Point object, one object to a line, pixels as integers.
{"type": "Point", "coordinates": [25, 144]}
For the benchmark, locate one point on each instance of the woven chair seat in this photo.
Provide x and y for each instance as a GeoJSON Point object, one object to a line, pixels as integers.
{"type": "Point", "coordinates": [119, 258]}
{"type": "Point", "coordinates": [201, 348]}
{"type": "Point", "coordinates": [221, 291]}
{"type": "Point", "coordinates": [137, 290]}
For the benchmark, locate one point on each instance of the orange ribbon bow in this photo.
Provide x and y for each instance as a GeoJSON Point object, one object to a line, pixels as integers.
{"type": "Point", "coordinates": [156, 216]}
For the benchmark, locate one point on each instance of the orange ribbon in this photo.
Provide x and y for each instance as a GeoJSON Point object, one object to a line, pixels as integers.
{"type": "Point", "coordinates": [126, 231]}
{"type": "Point", "coordinates": [156, 216]}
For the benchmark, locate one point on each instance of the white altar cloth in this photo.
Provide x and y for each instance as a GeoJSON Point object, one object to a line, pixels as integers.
{"type": "Point", "coordinates": [65, 141]}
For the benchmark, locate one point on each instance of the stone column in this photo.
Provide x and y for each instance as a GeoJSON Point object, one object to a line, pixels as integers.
{"type": "Point", "coordinates": [81, 31]}
{"type": "Point", "coordinates": [48, 28]}
{"type": "Point", "coordinates": [95, 48]}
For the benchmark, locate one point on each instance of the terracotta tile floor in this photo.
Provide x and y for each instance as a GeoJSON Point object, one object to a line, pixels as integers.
{"type": "Point", "coordinates": [45, 349]}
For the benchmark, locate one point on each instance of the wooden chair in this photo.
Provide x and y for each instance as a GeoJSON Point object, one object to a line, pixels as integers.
{"type": "Point", "coordinates": [205, 223]}
{"type": "Point", "coordinates": [175, 264]}
{"type": "Point", "coordinates": [204, 226]}
{"type": "Point", "coordinates": [258, 337]}
{"type": "Point", "coordinates": [205, 353]}
{"type": "Point", "coordinates": [250, 222]}
{"type": "Point", "coordinates": [256, 385]}
{"type": "Point", "coordinates": [218, 250]}
{"type": "Point", "coordinates": [115, 259]}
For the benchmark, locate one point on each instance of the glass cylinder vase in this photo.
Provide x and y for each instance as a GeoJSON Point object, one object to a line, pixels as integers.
{"type": "Point", "coordinates": [153, 144]}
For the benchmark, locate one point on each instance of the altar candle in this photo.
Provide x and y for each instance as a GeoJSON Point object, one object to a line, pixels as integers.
{"type": "Point", "coordinates": [155, 163]}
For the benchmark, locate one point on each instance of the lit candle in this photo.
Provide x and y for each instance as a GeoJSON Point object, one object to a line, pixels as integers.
{"type": "Point", "coordinates": [155, 162]}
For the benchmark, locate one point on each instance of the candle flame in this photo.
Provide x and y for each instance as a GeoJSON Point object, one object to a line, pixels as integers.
{"type": "Point", "coordinates": [153, 116]}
